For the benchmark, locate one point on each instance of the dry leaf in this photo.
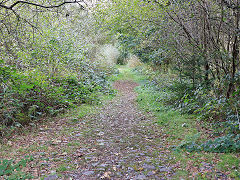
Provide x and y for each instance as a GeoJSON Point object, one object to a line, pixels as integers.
{"type": "Point", "coordinates": [63, 154]}
{"type": "Point", "coordinates": [9, 143]}
{"type": "Point", "coordinates": [106, 175]}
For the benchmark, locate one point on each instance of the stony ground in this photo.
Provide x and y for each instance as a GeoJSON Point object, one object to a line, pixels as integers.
{"type": "Point", "coordinates": [114, 141]}
{"type": "Point", "coordinates": [123, 143]}
{"type": "Point", "coordinates": [117, 142]}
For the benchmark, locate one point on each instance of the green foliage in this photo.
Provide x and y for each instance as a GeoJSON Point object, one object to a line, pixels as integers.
{"type": "Point", "coordinates": [157, 32]}
{"type": "Point", "coordinates": [62, 168]}
{"type": "Point", "coordinates": [55, 74]}
{"type": "Point", "coordinates": [228, 161]}
{"type": "Point", "coordinates": [150, 100]}
{"type": "Point", "coordinates": [11, 170]}
{"type": "Point", "coordinates": [224, 144]}
{"type": "Point", "coordinates": [161, 89]}
{"type": "Point", "coordinates": [25, 98]}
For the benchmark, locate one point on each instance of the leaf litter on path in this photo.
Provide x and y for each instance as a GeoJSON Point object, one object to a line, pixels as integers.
{"type": "Point", "coordinates": [119, 142]}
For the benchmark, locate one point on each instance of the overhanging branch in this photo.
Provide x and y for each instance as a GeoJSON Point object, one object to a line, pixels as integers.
{"type": "Point", "coordinates": [231, 6]}
{"type": "Point", "coordinates": [39, 5]}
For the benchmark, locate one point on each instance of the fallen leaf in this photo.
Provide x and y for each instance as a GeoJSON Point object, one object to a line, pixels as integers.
{"type": "Point", "coordinates": [106, 175]}
{"type": "Point", "coordinates": [9, 143]}
{"type": "Point", "coordinates": [63, 154]}
{"type": "Point", "coordinates": [78, 155]}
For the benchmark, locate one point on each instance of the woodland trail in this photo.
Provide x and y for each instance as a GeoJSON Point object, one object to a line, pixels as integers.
{"type": "Point", "coordinates": [117, 142]}
{"type": "Point", "coordinates": [123, 142]}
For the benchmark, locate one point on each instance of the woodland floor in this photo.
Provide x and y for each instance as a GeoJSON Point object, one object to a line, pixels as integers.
{"type": "Point", "coordinates": [118, 141]}
{"type": "Point", "coordinates": [122, 146]}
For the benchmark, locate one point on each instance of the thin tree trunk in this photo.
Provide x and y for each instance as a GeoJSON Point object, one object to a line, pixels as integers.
{"type": "Point", "coordinates": [235, 55]}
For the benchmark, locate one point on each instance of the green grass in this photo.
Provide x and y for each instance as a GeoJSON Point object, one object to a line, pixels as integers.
{"type": "Point", "coordinates": [230, 162]}
{"type": "Point", "coordinates": [126, 73]}
{"type": "Point", "coordinates": [77, 144]}
{"type": "Point", "coordinates": [62, 168]}
{"type": "Point", "coordinates": [180, 128]}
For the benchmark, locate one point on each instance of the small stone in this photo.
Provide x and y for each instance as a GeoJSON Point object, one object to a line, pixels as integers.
{"type": "Point", "coordinates": [130, 169]}
{"type": "Point", "coordinates": [95, 164]}
{"type": "Point", "coordinates": [41, 129]}
{"type": "Point", "coordinates": [100, 142]}
{"type": "Point", "coordinates": [88, 158]}
{"type": "Point", "coordinates": [164, 169]}
{"type": "Point", "coordinates": [9, 143]}
{"type": "Point", "coordinates": [150, 173]}
{"type": "Point", "coordinates": [140, 177]}
{"type": "Point", "coordinates": [149, 167]}
{"type": "Point", "coordinates": [147, 159]}
{"type": "Point", "coordinates": [101, 169]}
{"type": "Point", "coordinates": [51, 177]}
{"type": "Point", "coordinates": [53, 172]}
{"type": "Point", "coordinates": [79, 134]}
{"type": "Point", "coordinates": [103, 165]}
{"type": "Point", "coordinates": [63, 154]}
{"type": "Point", "coordinates": [106, 175]}
{"type": "Point", "coordinates": [88, 173]}
{"type": "Point", "coordinates": [100, 133]}
{"type": "Point", "coordinates": [119, 174]}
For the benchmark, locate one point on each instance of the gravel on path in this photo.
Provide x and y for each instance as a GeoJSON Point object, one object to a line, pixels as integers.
{"type": "Point", "coordinates": [123, 143]}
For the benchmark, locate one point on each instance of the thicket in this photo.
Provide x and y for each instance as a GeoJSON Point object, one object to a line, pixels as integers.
{"type": "Point", "coordinates": [198, 42]}
{"type": "Point", "coordinates": [48, 61]}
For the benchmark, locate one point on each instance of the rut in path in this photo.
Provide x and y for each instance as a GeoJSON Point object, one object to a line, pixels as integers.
{"type": "Point", "coordinates": [123, 143]}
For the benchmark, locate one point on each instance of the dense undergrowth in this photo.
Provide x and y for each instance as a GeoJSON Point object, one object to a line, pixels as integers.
{"type": "Point", "coordinates": [168, 94]}
{"type": "Point", "coordinates": [174, 37]}
{"type": "Point", "coordinates": [60, 69]}
{"type": "Point", "coordinates": [25, 97]}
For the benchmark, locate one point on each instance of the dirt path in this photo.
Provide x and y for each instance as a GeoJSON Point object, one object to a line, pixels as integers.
{"type": "Point", "coordinates": [118, 142]}
{"type": "Point", "coordinates": [123, 142]}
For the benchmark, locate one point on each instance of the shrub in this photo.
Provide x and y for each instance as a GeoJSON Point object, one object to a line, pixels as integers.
{"type": "Point", "coordinates": [25, 97]}
{"type": "Point", "coordinates": [224, 144]}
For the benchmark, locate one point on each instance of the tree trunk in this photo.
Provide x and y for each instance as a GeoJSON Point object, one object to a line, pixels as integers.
{"type": "Point", "coordinates": [235, 56]}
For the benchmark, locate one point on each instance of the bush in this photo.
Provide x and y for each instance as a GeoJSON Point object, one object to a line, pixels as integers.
{"type": "Point", "coordinates": [25, 97]}
{"type": "Point", "coordinates": [219, 113]}
{"type": "Point", "coordinates": [225, 144]}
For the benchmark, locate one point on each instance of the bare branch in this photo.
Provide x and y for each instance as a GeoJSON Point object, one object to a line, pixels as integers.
{"type": "Point", "coordinates": [39, 5]}
{"type": "Point", "coordinates": [231, 6]}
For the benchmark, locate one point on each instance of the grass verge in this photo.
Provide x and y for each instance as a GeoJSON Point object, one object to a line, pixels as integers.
{"type": "Point", "coordinates": [179, 129]}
